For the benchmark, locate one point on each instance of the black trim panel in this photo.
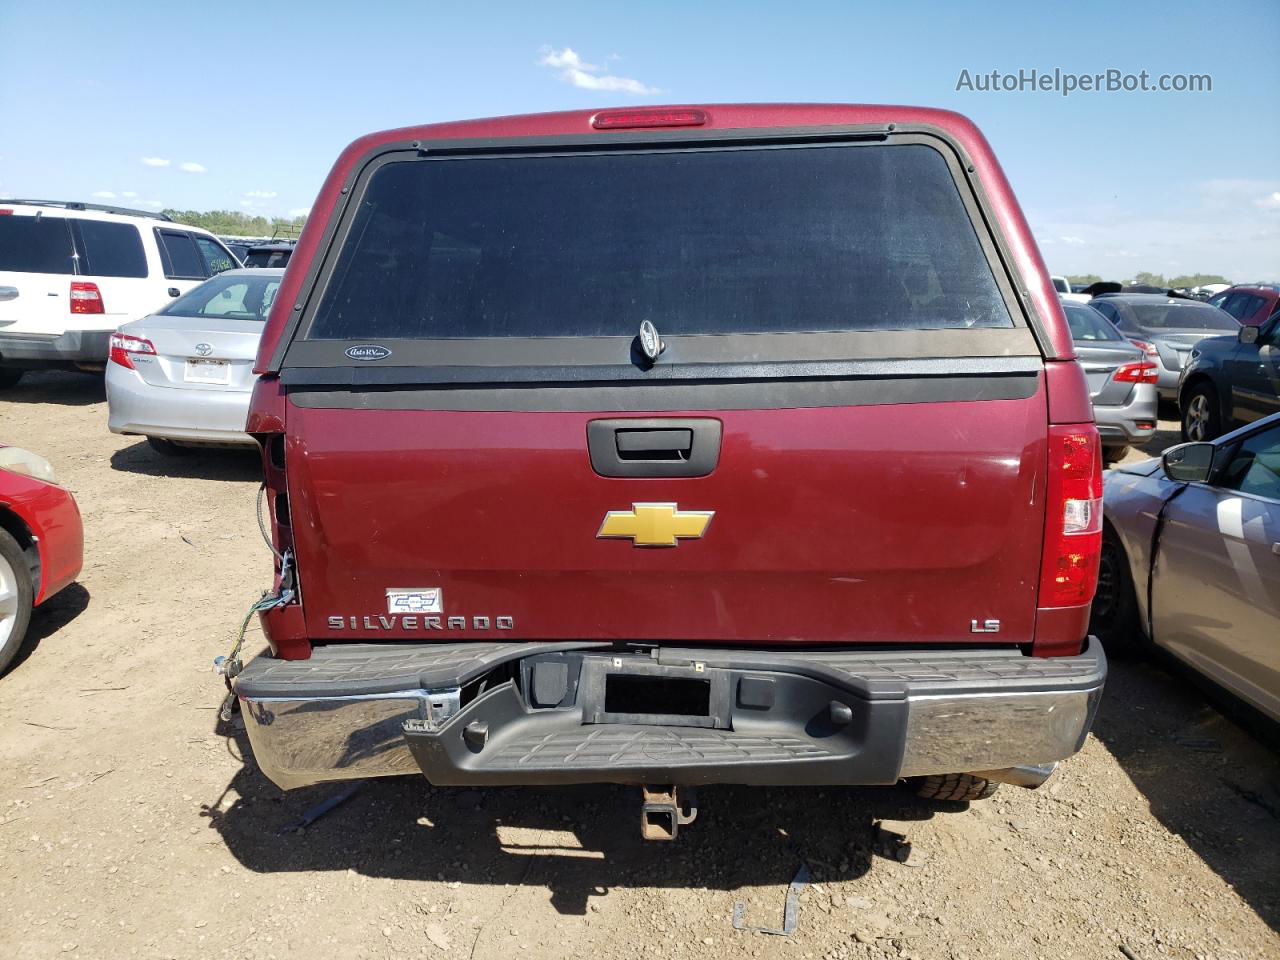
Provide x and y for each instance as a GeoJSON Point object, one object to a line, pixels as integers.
{"type": "Point", "coordinates": [670, 396]}
{"type": "Point", "coordinates": [947, 342]}
{"type": "Point", "coordinates": [537, 374]}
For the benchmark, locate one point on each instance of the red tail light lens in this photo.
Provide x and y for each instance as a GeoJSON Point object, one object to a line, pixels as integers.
{"type": "Point", "coordinates": [122, 345]}
{"type": "Point", "coordinates": [1073, 517]}
{"type": "Point", "coordinates": [1148, 348]}
{"type": "Point", "coordinates": [624, 119]}
{"type": "Point", "coordinates": [85, 298]}
{"type": "Point", "coordinates": [1137, 373]}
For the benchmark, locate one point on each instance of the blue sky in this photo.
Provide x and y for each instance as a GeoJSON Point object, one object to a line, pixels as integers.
{"type": "Point", "coordinates": [246, 106]}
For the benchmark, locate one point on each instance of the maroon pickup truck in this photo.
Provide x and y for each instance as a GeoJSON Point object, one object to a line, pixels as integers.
{"type": "Point", "coordinates": [676, 446]}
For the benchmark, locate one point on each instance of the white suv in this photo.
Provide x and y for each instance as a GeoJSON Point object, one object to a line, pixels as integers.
{"type": "Point", "coordinates": [70, 273]}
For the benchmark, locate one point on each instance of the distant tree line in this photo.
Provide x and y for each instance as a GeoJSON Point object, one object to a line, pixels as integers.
{"type": "Point", "coordinates": [1155, 279]}
{"type": "Point", "coordinates": [239, 224]}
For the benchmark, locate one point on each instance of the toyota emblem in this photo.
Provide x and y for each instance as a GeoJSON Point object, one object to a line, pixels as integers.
{"type": "Point", "coordinates": [203, 349]}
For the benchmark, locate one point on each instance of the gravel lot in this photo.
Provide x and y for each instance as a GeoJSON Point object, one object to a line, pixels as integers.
{"type": "Point", "coordinates": [132, 825]}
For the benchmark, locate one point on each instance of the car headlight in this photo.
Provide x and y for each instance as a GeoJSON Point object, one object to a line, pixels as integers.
{"type": "Point", "coordinates": [17, 460]}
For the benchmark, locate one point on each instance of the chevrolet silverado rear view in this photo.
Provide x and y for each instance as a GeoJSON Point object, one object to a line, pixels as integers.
{"type": "Point", "coordinates": [727, 444]}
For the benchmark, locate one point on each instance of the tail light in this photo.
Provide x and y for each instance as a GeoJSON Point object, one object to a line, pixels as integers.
{"type": "Point", "coordinates": [1147, 347]}
{"type": "Point", "coordinates": [1137, 373]}
{"type": "Point", "coordinates": [1073, 517]}
{"type": "Point", "coordinates": [86, 298]}
{"type": "Point", "coordinates": [631, 119]}
{"type": "Point", "coordinates": [122, 345]}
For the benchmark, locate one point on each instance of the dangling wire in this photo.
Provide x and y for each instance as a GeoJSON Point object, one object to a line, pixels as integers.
{"type": "Point", "coordinates": [262, 526]}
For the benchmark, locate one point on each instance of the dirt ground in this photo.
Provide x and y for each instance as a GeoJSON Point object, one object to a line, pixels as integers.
{"type": "Point", "coordinates": [133, 824]}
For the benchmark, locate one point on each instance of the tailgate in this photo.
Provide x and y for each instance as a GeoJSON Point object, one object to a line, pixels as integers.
{"type": "Point", "coordinates": [871, 524]}
{"type": "Point", "coordinates": [747, 395]}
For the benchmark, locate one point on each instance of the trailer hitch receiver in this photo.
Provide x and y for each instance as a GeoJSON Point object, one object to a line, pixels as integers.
{"type": "Point", "coordinates": [664, 810]}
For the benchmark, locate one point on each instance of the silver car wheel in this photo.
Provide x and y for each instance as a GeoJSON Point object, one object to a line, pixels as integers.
{"type": "Point", "coordinates": [8, 600]}
{"type": "Point", "coordinates": [1197, 417]}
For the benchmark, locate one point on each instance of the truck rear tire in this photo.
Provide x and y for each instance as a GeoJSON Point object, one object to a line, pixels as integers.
{"type": "Point", "coordinates": [955, 786]}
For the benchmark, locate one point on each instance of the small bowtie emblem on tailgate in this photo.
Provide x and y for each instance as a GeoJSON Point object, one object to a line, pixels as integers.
{"type": "Point", "coordinates": [654, 524]}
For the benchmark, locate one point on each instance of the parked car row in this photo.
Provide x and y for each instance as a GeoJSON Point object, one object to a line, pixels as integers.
{"type": "Point", "coordinates": [70, 273]}
{"type": "Point", "coordinates": [1219, 361]}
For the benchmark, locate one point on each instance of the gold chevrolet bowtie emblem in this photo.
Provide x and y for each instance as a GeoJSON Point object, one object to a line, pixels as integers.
{"type": "Point", "coordinates": [654, 524]}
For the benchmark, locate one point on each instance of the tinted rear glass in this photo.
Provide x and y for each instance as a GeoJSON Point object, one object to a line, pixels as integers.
{"type": "Point", "coordinates": [267, 258]}
{"type": "Point", "coordinates": [697, 241]}
{"type": "Point", "coordinates": [35, 244]}
{"type": "Point", "coordinates": [1087, 324]}
{"type": "Point", "coordinates": [111, 249]}
{"type": "Point", "coordinates": [182, 260]}
{"type": "Point", "coordinates": [1182, 316]}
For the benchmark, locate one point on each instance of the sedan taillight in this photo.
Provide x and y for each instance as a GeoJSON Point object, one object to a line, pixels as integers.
{"type": "Point", "coordinates": [1137, 373]}
{"type": "Point", "coordinates": [122, 345]}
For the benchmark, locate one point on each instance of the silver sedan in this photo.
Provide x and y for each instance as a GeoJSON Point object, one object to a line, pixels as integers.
{"type": "Point", "coordinates": [1191, 560]}
{"type": "Point", "coordinates": [184, 374]}
{"type": "Point", "coordinates": [1122, 381]}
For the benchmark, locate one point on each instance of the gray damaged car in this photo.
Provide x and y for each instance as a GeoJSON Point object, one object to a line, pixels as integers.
{"type": "Point", "coordinates": [1191, 560]}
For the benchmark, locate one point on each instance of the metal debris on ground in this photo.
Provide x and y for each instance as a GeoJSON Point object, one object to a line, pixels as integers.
{"type": "Point", "coordinates": [326, 805]}
{"type": "Point", "coordinates": [790, 912]}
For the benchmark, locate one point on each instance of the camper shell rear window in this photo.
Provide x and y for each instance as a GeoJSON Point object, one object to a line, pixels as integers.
{"type": "Point", "coordinates": [698, 241]}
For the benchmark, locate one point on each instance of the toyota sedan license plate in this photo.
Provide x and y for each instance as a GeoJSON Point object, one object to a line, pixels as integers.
{"type": "Point", "coordinates": [208, 371]}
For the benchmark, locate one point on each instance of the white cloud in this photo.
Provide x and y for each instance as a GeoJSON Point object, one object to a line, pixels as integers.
{"type": "Point", "coordinates": [261, 194]}
{"type": "Point", "coordinates": [300, 212]}
{"type": "Point", "coordinates": [154, 204]}
{"type": "Point", "coordinates": [247, 204]}
{"type": "Point", "coordinates": [190, 167]}
{"type": "Point", "coordinates": [589, 76]}
{"type": "Point", "coordinates": [1270, 202]}
{"type": "Point", "coordinates": [1074, 241]}
{"type": "Point", "coordinates": [104, 195]}
{"type": "Point", "coordinates": [129, 194]}
{"type": "Point", "coordinates": [155, 161]}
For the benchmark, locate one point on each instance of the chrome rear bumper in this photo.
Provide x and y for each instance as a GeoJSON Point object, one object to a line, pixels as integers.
{"type": "Point", "coordinates": [805, 717]}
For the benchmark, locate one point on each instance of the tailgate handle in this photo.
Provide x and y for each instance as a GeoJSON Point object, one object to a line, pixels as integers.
{"type": "Point", "coordinates": [659, 447]}
{"type": "Point", "coordinates": [654, 444]}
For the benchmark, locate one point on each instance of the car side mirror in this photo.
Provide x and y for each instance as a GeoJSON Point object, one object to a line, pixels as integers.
{"type": "Point", "coordinates": [1189, 462]}
{"type": "Point", "coordinates": [1248, 334]}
